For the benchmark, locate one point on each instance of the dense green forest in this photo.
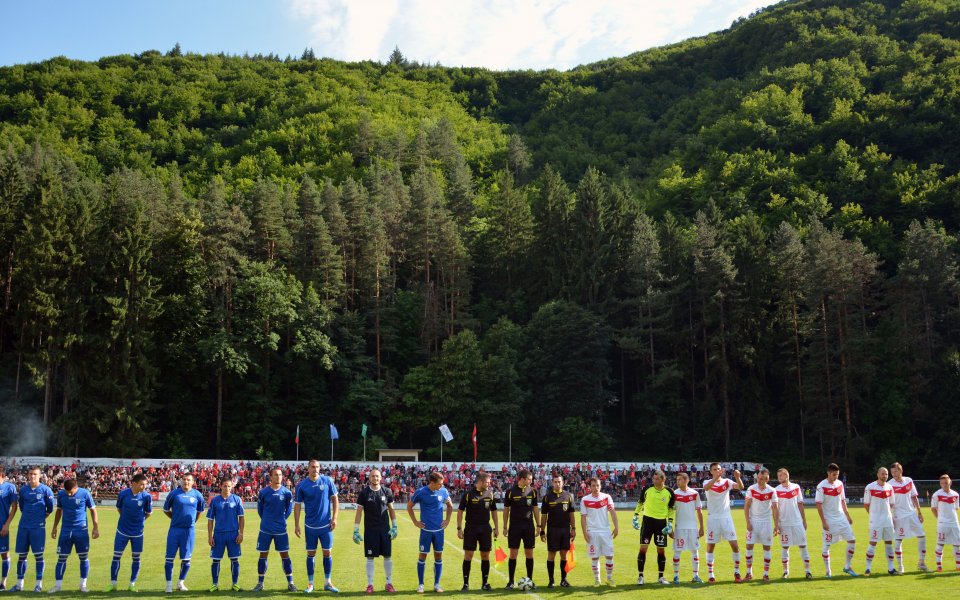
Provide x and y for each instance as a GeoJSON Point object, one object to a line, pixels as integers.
{"type": "Point", "coordinates": [741, 245]}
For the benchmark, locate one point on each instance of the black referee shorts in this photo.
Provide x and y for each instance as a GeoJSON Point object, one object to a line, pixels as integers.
{"type": "Point", "coordinates": [522, 533]}
{"type": "Point", "coordinates": [652, 529]}
{"type": "Point", "coordinates": [558, 539]}
{"type": "Point", "coordinates": [478, 535]}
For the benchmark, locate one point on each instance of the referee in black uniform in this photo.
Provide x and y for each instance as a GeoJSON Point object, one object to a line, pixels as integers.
{"type": "Point", "coordinates": [558, 526]}
{"type": "Point", "coordinates": [479, 505]}
{"type": "Point", "coordinates": [521, 515]}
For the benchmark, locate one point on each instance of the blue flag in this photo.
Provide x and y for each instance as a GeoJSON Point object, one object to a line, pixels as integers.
{"type": "Point", "coordinates": [333, 432]}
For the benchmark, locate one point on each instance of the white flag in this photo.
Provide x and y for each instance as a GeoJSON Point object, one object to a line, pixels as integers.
{"type": "Point", "coordinates": [445, 432]}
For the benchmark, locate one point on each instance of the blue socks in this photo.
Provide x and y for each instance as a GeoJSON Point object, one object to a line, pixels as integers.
{"type": "Point", "coordinates": [84, 565]}
{"type": "Point", "coordinates": [311, 567]}
{"type": "Point", "coordinates": [215, 571]}
{"type": "Point", "coordinates": [287, 568]}
{"type": "Point", "coordinates": [421, 566]}
{"type": "Point", "coordinates": [437, 571]}
{"type": "Point", "coordinates": [168, 569]}
{"type": "Point", "coordinates": [235, 570]}
{"type": "Point", "coordinates": [327, 566]}
{"type": "Point", "coordinates": [261, 569]}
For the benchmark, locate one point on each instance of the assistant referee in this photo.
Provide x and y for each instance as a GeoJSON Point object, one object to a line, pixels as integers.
{"type": "Point", "coordinates": [656, 505]}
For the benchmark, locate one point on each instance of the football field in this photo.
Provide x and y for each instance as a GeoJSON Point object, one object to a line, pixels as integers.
{"type": "Point", "coordinates": [350, 576]}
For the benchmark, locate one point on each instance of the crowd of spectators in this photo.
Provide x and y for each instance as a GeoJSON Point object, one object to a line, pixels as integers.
{"type": "Point", "coordinates": [622, 483]}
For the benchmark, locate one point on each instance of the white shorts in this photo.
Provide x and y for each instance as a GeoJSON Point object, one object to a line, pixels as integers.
{"type": "Point", "coordinates": [685, 540]}
{"type": "Point", "coordinates": [840, 530]}
{"type": "Point", "coordinates": [908, 527]}
{"type": "Point", "coordinates": [948, 535]}
{"type": "Point", "coordinates": [762, 533]}
{"type": "Point", "coordinates": [793, 535]}
{"type": "Point", "coordinates": [601, 544]}
{"type": "Point", "coordinates": [721, 528]}
{"type": "Point", "coordinates": [881, 534]}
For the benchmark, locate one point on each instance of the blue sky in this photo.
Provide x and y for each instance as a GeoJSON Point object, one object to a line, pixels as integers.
{"type": "Point", "coordinates": [498, 34]}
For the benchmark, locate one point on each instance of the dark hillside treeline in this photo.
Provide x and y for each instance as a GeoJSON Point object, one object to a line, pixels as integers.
{"type": "Point", "coordinates": [739, 245]}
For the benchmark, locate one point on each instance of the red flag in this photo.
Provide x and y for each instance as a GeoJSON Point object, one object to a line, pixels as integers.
{"type": "Point", "coordinates": [499, 556]}
{"type": "Point", "coordinates": [571, 559]}
{"type": "Point", "coordinates": [296, 440]}
{"type": "Point", "coordinates": [474, 442]}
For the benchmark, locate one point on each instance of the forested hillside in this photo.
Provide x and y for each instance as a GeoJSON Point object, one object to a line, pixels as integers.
{"type": "Point", "coordinates": [740, 245]}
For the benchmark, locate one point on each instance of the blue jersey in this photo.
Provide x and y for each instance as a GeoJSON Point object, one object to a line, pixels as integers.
{"type": "Point", "coordinates": [184, 506]}
{"type": "Point", "coordinates": [432, 505]}
{"type": "Point", "coordinates": [74, 508]}
{"type": "Point", "coordinates": [315, 497]}
{"type": "Point", "coordinates": [8, 497]}
{"type": "Point", "coordinates": [225, 513]}
{"type": "Point", "coordinates": [134, 509]}
{"type": "Point", "coordinates": [274, 508]}
{"type": "Point", "coordinates": [35, 504]}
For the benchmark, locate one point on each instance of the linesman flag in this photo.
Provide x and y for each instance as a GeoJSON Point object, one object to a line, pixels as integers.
{"type": "Point", "coordinates": [474, 442]}
{"type": "Point", "coordinates": [445, 432]}
{"type": "Point", "coordinates": [296, 440]}
{"type": "Point", "coordinates": [333, 432]}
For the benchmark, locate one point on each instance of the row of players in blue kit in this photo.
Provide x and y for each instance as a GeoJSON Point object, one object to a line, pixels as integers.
{"type": "Point", "coordinates": [315, 496]}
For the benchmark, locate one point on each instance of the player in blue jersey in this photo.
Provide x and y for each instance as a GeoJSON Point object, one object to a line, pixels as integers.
{"type": "Point", "coordinates": [183, 506]}
{"type": "Point", "coordinates": [73, 502]}
{"type": "Point", "coordinates": [431, 498]}
{"type": "Point", "coordinates": [225, 533]}
{"type": "Point", "coordinates": [135, 506]}
{"type": "Point", "coordinates": [35, 502]}
{"type": "Point", "coordinates": [317, 496]}
{"type": "Point", "coordinates": [274, 505]}
{"type": "Point", "coordinates": [8, 508]}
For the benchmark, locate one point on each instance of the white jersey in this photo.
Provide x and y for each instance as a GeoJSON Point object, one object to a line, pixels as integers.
{"type": "Point", "coordinates": [687, 504]}
{"type": "Point", "coordinates": [946, 504]}
{"type": "Point", "coordinates": [880, 499]}
{"type": "Point", "coordinates": [903, 494]}
{"type": "Point", "coordinates": [718, 498]}
{"type": "Point", "coordinates": [762, 501]}
{"type": "Point", "coordinates": [832, 497]}
{"type": "Point", "coordinates": [789, 499]}
{"type": "Point", "coordinates": [596, 509]}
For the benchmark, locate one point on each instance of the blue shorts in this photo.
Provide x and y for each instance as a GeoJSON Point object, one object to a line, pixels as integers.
{"type": "Point", "coordinates": [31, 539]}
{"type": "Point", "coordinates": [78, 538]}
{"type": "Point", "coordinates": [323, 535]}
{"type": "Point", "coordinates": [121, 539]}
{"type": "Point", "coordinates": [431, 537]}
{"type": "Point", "coordinates": [225, 541]}
{"type": "Point", "coordinates": [281, 542]}
{"type": "Point", "coordinates": [180, 539]}
{"type": "Point", "coordinates": [5, 543]}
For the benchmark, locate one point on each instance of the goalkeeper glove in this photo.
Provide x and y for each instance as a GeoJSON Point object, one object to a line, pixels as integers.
{"type": "Point", "coordinates": [393, 532]}
{"type": "Point", "coordinates": [668, 529]}
{"type": "Point", "coordinates": [357, 538]}
{"type": "Point", "coordinates": [636, 522]}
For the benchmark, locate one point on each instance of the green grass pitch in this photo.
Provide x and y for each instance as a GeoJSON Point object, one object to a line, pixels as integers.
{"type": "Point", "coordinates": [350, 576]}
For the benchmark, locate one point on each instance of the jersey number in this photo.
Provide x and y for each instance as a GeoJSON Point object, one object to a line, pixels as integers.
{"type": "Point", "coordinates": [784, 538]}
{"type": "Point", "coordinates": [941, 536]}
{"type": "Point", "coordinates": [680, 541]}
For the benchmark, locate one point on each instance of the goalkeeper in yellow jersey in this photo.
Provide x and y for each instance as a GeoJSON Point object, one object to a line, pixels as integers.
{"type": "Point", "coordinates": [654, 518]}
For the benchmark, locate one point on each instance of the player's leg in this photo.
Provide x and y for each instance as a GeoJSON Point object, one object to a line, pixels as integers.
{"type": "Point", "coordinates": [119, 545]}
{"type": "Point", "coordinates": [326, 545]}
{"type": "Point", "coordinates": [513, 544]}
{"type": "Point", "coordinates": [871, 551]}
{"type": "Point", "coordinates": [470, 540]}
{"type": "Point", "coordinates": [169, 556]}
{"type": "Point", "coordinates": [529, 543]}
{"type": "Point", "coordinates": [217, 551]}
{"type": "Point", "coordinates": [312, 541]}
{"type": "Point", "coordinates": [136, 549]}
{"type": "Point", "coordinates": [186, 554]}
{"type": "Point", "coordinates": [64, 547]}
{"type": "Point", "coordinates": [425, 541]}
{"type": "Point", "coordinates": [710, 548]}
{"type": "Point", "coordinates": [386, 550]}
{"type": "Point", "coordinates": [485, 543]}
{"type": "Point", "coordinates": [82, 544]}
{"type": "Point", "coordinates": [437, 559]}
{"type": "Point", "coordinates": [734, 550]}
{"type": "Point", "coordinates": [282, 544]}
{"type": "Point", "coordinates": [233, 553]}
{"type": "Point", "coordinates": [888, 544]}
{"type": "Point", "coordinates": [22, 549]}
{"type": "Point", "coordinates": [263, 547]}
{"type": "Point", "coordinates": [38, 542]}
{"type": "Point", "coordinates": [767, 557]}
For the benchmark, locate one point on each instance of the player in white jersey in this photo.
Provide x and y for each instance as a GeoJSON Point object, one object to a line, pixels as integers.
{"type": "Point", "coordinates": [793, 522]}
{"type": "Point", "coordinates": [763, 520]}
{"type": "Point", "coordinates": [878, 502]}
{"type": "Point", "coordinates": [689, 526]}
{"type": "Point", "coordinates": [596, 512]}
{"type": "Point", "coordinates": [944, 504]}
{"type": "Point", "coordinates": [835, 518]}
{"type": "Point", "coordinates": [907, 517]}
{"type": "Point", "coordinates": [719, 520]}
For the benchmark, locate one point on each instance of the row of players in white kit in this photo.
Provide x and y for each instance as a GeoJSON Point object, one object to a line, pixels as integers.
{"type": "Point", "coordinates": [893, 507]}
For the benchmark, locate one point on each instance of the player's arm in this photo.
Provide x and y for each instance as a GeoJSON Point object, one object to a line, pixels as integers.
{"type": "Point", "coordinates": [916, 504]}
{"type": "Point", "coordinates": [168, 506]}
{"type": "Point", "coordinates": [460, 510]}
{"type": "Point", "coordinates": [536, 516]}
{"type": "Point", "coordinates": [210, 527]}
{"type": "Point", "coordinates": [866, 503]}
{"type": "Point", "coordinates": [573, 521]}
{"type": "Point", "coordinates": [56, 522]}
{"type": "Point", "coordinates": [700, 519]}
{"type": "Point", "coordinates": [776, 518]}
{"type": "Point", "coordinates": [147, 508]}
{"type": "Point", "coordinates": [671, 507]}
{"type": "Point", "coordinates": [737, 481]}
{"type": "Point", "coordinates": [358, 515]}
{"type": "Point", "coordinates": [544, 507]}
{"type": "Point", "coordinates": [93, 517]}
{"type": "Point", "coordinates": [747, 502]}
{"type": "Point", "coordinates": [240, 523]}
{"type": "Point", "coordinates": [298, 500]}
{"type": "Point", "coordinates": [613, 515]}
{"type": "Point", "coordinates": [413, 517]}
{"type": "Point", "coordinates": [260, 504]}
{"type": "Point", "coordinates": [288, 509]}
{"type": "Point", "coordinates": [5, 528]}
{"type": "Point", "coordinates": [334, 511]}
{"type": "Point", "coordinates": [934, 505]}
{"type": "Point", "coordinates": [493, 515]}
{"type": "Point", "coordinates": [446, 521]}
{"type": "Point", "coordinates": [506, 514]}
{"type": "Point", "coordinates": [583, 526]}
{"type": "Point", "coordinates": [200, 506]}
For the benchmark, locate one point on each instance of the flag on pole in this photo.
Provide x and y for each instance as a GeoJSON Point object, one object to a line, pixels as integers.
{"type": "Point", "coordinates": [474, 442]}
{"type": "Point", "coordinates": [571, 560]}
{"type": "Point", "coordinates": [363, 431]}
{"type": "Point", "coordinates": [445, 432]}
{"type": "Point", "coordinates": [500, 556]}
{"type": "Point", "coordinates": [296, 440]}
{"type": "Point", "coordinates": [333, 432]}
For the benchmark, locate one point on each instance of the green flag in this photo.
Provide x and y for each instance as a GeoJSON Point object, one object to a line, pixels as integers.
{"type": "Point", "coordinates": [363, 431]}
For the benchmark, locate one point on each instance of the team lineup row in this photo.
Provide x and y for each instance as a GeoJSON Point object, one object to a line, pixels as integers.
{"type": "Point", "coordinates": [770, 512]}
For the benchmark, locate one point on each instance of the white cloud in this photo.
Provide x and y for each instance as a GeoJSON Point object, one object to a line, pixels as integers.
{"type": "Point", "coordinates": [505, 34]}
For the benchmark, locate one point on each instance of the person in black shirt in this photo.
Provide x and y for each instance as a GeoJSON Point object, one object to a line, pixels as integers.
{"type": "Point", "coordinates": [479, 505]}
{"type": "Point", "coordinates": [521, 516]}
{"type": "Point", "coordinates": [558, 526]}
{"type": "Point", "coordinates": [375, 504]}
